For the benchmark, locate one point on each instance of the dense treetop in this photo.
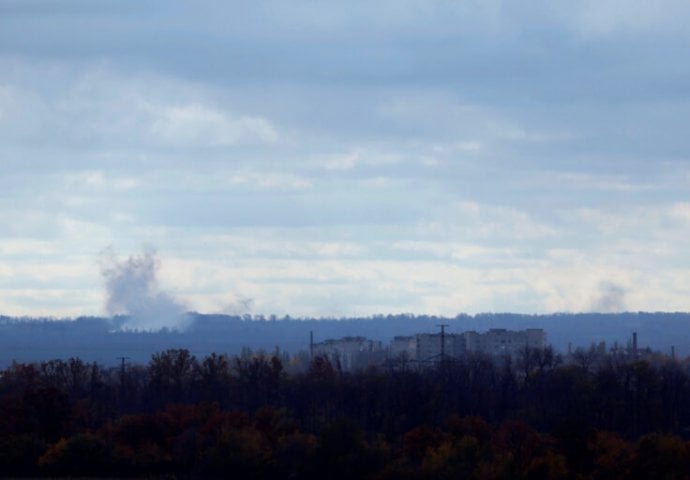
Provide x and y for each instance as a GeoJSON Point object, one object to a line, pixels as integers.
{"type": "Point", "coordinates": [259, 415]}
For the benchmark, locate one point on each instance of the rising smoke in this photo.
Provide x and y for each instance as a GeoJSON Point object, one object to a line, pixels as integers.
{"type": "Point", "coordinates": [132, 290]}
{"type": "Point", "coordinates": [610, 299]}
{"type": "Point", "coordinates": [240, 306]}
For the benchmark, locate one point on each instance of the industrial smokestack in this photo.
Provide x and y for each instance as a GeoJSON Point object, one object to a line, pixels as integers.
{"type": "Point", "coordinates": [634, 344]}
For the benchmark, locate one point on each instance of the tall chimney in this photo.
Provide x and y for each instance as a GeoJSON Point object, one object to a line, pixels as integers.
{"type": "Point", "coordinates": [634, 345]}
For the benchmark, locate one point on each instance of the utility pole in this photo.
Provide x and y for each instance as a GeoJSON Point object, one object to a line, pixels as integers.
{"type": "Point", "coordinates": [123, 361]}
{"type": "Point", "coordinates": [443, 342]}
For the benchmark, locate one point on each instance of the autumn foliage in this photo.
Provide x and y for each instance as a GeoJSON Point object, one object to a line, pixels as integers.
{"type": "Point", "coordinates": [260, 416]}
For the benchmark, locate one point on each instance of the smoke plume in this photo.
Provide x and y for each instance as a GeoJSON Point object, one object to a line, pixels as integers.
{"type": "Point", "coordinates": [240, 306]}
{"type": "Point", "coordinates": [610, 299]}
{"type": "Point", "coordinates": [132, 290]}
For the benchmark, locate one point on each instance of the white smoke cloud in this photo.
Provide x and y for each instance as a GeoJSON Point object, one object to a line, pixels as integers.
{"type": "Point", "coordinates": [132, 290]}
{"type": "Point", "coordinates": [610, 299]}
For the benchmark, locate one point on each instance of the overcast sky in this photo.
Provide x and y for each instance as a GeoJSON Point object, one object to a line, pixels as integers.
{"type": "Point", "coordinates": [349, 157]}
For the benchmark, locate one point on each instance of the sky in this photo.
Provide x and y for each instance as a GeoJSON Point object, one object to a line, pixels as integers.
{"type": "Point", "coordinates": [351, 158]}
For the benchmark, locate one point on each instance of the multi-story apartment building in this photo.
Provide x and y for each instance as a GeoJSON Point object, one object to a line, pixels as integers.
{"type": "Point", "coordinates": [430, 347]}
{"type": "Point", "coordinates": [404, 346]}
{"type": "Point", "coordinates": [499, 341]}
{"type": "Point", "coordinates": [350, 353]}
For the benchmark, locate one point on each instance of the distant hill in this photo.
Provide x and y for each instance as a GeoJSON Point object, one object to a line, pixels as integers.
{"type": "Point", "coordinates": [102, 339]}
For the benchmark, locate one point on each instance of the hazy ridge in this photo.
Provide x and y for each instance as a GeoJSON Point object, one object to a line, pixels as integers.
{"type": "Point", "coordinates": [102, 339]}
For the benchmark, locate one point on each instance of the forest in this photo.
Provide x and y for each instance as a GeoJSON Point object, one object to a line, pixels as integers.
{"type": "Point", "coordinates": [258, 415]}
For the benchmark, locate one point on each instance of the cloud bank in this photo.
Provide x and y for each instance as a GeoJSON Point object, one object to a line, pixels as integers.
{"type": "Point", "coordinates": [345, 158]}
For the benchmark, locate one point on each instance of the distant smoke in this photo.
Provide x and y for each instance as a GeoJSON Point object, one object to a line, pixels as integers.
{"type": "Point", "coordinates": [132, 290]}
{"type": "Point", "coordinates": [240, 306]}
{"type": "Point", "coordinates": [610, 299]}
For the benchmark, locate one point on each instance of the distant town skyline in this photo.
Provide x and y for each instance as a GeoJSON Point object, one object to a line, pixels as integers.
{"type": "Point", "coordinates": [344, 158]}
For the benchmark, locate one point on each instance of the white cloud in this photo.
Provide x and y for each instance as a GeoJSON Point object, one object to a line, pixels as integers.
{"type": "Point", "coordinates": [454, 251]}
{"type": "Point", "coordinates": [596, 19]}
{"type": "Point", "coordinates": [270, 181]}
{"type": "Point", "coordinates": [662, 221]}
{"type": "Point", "coordinates": [590, 181]}
{"type": "Point", "coordinates": [202, 126]}
{"type": "Point", "coordinates": [22, 246]}
{"type": "Point", "coordinates": [103, 109]}
{"type": "Point", "coordinates": [359, 157]}
{"type": "Point", "coordinates": [681, 211]}
{"type": "Point", "coordinates": [98, 180]}
{"type": "Point", "coordinates": [492, 223]}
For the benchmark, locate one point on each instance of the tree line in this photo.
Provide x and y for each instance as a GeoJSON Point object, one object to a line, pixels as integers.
{"type": "Point", "coordinates": [259, 415]}
{"type": "Point", "coordinates": [103, 339]}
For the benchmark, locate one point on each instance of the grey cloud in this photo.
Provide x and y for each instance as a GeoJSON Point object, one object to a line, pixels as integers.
{"type": "Point", "coordinates": [461, 45]}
